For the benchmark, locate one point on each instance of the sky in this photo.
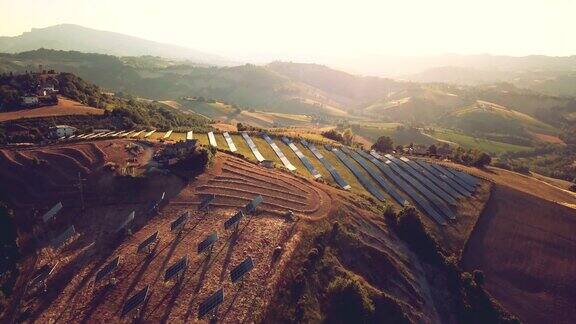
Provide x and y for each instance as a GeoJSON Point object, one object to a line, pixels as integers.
{"type": "Point", "coordinates": [308, 29]}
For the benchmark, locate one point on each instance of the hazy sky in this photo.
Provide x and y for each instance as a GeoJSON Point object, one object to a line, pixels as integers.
{"type": "Point", "coordinates": [312, 29]}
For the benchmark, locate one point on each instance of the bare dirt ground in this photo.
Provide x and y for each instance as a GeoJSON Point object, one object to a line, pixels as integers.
{"type": "Point", "coordinates": [527, 249]}
{"type": "Point", "coordinates": [65, 107]}
{"type": "Point", "coordinates": [72, 294]}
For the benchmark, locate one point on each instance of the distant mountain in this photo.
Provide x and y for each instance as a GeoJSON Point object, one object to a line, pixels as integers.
{"type": "Point", "coordinates": [78, 38]}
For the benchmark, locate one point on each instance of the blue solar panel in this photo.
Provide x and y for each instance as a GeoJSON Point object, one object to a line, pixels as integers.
{"type": "Point", "coordinates": [240, 270]}
{"type": "Point", "coordinates": [422, 179]}
{"type": "Point", "coordinates": [146, 243]}
{"type": "Point", "coordinates": [453, 184]}
{"type": "Point", "coordinates": [180, 221]}
{"type": "Point", "coordinates": [439, 182]}
{"type": "Point", "coordinates": [363, 180]}
{"type": "Point", "coordinates": [450, 175]}
{"type": "Point", "coordinates": [206, 201]}
{"type": "Point", "coordinates": [337, 177]}
{"type": "Point", "coordinates": [376, 176]}
{"type": "Point", "coordinates": [233, 220]}
{"type": "Point", "coordinates": [210, 303]}
{"type": "Point", "coordinates": [252, 205]}
{"type": "Point", "coordinates": [435, 200]}
{"type": "Point", "coordinates": [302, 158]}
{"type": "Point", "coordinates": [176, 268]}
{"type": "Point", "coordinates": [135, 301]}
{"type": "Point", "coordinates": [108, 268]}
{"type": "Point", "coordinates": [208, 242]}
{"type": "Point", "coordinates": [405, 187]}
{"type": "Point", "coordinates": [279, 153]}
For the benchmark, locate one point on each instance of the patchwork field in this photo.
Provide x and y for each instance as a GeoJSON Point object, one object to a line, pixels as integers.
{"type": "Point", "coordinates": [65, 107]}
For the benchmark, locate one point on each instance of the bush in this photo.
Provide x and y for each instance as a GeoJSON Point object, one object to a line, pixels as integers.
{"type": "Point", "coordinates": [521, 169]}
{"type": "Point", "coordinates": [383, 144]}
{"type": "Point", "coordinates": [333, 135]}
{"type": "Point", "coordinates": [482, 160]}
{"type": "Point", "coordinates": [572, 187]}
{"type": "Point", "coordinates": [348, 302]}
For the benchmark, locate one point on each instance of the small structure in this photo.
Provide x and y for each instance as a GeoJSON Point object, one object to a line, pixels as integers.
{"type": "Point", "coordinates": [59, 131]}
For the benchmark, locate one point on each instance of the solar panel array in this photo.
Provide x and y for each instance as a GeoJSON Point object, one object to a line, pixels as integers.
{"type": "Point", "coordinates": [146, 243]}
{"type": "Point", "coordinates": [137, 133]}
{"type": "Point", "coordinates": [464, 176]}
{"type": "Point", "coordinates": [376, 175]}
{"type": "Point", "coordinates": [337, 177]}
{"type": "Point", "coordinates": [252, 205]}
{"type": "Point", "coordinates": [450, 175]}
{"type": "Point", "coordinates": [62, 238]}
{"type": "Point", "coordinates": [149, 133]}
{"type": "Point", "coordinates": [422, 179]}
{"type": "Point", "coordinates": [135, 301]}
{"type": "Point", "coordinates": [453, 184]}
{"type": "Point", "coordinates": [212, 139]}
{"type": "Point", "coordinates": [180, 221]}
{"type": "Point", "coordinates": [363, 180]}
{"type": "Point", "coordinates": [230, 142]}
{"type": "Point", "coordinates": [167, 135]}
{"type": "Point", "coordinates": [211, 303]}
{"type": "Point", "coordinates": [303, 158]}
{"type": "Point", "coordinates": [279, 153]}
{"type": "Point", "coordinates": [233, 220]}
{"type": "Point", "coordinates": [108, 268]}
{"type": "Point", "coordinates": [446, 187]}
{"type": "Point", "coordinates": [52, 212]}
{"type": "Point", "coordinates": [252, 147]}
{"type": "Point", "coordinates": [208, 242]}
{"type": "Point", "coordinates": [433, 198]}
{"type": "Point", "coordinates": [125, 222]}
{"type": "Point", "coordinates": [240, 270]}
{"type": "Point", "coordinates": [405, 187]}
{"type": "Point", "coordinates": [176, 268]}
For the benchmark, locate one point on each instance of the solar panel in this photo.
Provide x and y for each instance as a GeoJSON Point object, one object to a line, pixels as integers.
{"type": "Point", "coordinates": [233, 220]}
{"type": "Point", "coordinates": [149, 133]}
{"type": "Point", "coordinates": [439, 182]}
{"type": "Point", "coordinates": [279, 153]}
{"type": "Point", "coordinates": [176, 268]}
{"type": "Point", "coordinates": [432, 197]}
{"type": "Point", "coordinates": [180, 221]}
{"type": "Point", "coordinates": [337, 177]}
{"type": "Point", "coordinates": [206, 201]}
{"type": "Point", "coordinates": [451, 176]}
{"type": "Point", "coordinates": [240, 270]}
{"type": "Point", "coordinates": [251, 206]}
{"type": "Point", "coordinates": [252, 147]}
{"type": "Point", "coordinates": [108, 268]}
{"type": "Point", "coordinates": [212, 139]}
{"type": "Point", "coordinates": [52, 212]}
{"type": "Point", "coordinates": [43, 273]}
{"type": "Point", "coordinates": [128, 134]}
{"type": "Point", "coordinates": [208, 242]}
{"type": "Point", "coordinates": [125, 222]}
{"type": "Point", "coordinates": [62, 238]}
{"type": "Point", "coordinates": [405, 187]}
{"type": "Point", "coordinates": [210, 303]}
{"type": "Point", "coordinates": [377, 176]}
{"type": "Point", "coordinates": [137, 133]}
{"type": "Point", "coordinates": [302, 158]}
{"type": "Point", "coordinates": [135, 301]}
{"type": "Point", "coordinates": [438, 191]}
{"type": "Point", "coordinates": [167, 134]}
{"type": "Point", "coordinates": [361, 178]}
{"type": "Point", "coordinates": [146, 243]}
{"type": "Point", "coordinates": [453, 184]}
{"type": "Point", "coordinates": [230, 142]}
{"type": "Point", "coordinates": [189, 135]}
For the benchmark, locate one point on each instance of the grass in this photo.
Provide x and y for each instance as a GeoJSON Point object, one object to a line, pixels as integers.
{"type": "Point", "coordinates": [478, 143]}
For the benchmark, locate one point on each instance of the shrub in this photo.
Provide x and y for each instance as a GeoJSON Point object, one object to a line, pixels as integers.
{"type": "Point", "coordinates": [482, 160]}
{"type": "Point", "coordinates": [348, 302]}
{"type": "Point", "coordinates": [521, 169]}
{"type": "Point", "coordinates": [333, 135]}
{"type": "Point", "coordinates": [383, 144]}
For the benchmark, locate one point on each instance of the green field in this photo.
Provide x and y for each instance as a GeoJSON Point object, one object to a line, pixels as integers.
{"type": "Point", "coordinates": [477, 143]}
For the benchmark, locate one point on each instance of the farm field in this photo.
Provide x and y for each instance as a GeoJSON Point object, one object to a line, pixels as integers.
{"type": "Point", "coordinates": [477, 143]}
{"type": "Point", "coordinates": [526, 248]}
{"type": "Point", "coordinates": [65, 107]}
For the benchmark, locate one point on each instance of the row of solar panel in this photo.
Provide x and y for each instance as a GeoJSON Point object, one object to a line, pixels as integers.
{"type": "Point", "coordinates": [279, 153]}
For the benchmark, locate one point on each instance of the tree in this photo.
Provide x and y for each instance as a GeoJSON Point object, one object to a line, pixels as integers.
{"type": "Point", "coordinates": [482, 160]}
{"type": "Point", "coordinates": [479, 277]}
{"type": "Point", "coordinates": [432, 150]}
{"type": "Point", "coordinates": [349, 302]}
{"type": "Point", "coordinates": [383, 144]}
{"type": "Point", "coordinates": [348, 136]}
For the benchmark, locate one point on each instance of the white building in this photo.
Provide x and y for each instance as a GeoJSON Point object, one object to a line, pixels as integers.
{"type": "Point", "coordinates": [59, 131]}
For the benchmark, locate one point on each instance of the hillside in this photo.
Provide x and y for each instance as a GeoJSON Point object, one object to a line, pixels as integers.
{"type": "Point", "coordinates": [70, 37]}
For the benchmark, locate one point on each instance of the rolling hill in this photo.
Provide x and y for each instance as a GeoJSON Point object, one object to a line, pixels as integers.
{"type": "Point", "coordinates": [78, 38]}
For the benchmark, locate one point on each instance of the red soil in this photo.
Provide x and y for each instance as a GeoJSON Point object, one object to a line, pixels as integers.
{"type": "Point", "coordinates": [65, 107]}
